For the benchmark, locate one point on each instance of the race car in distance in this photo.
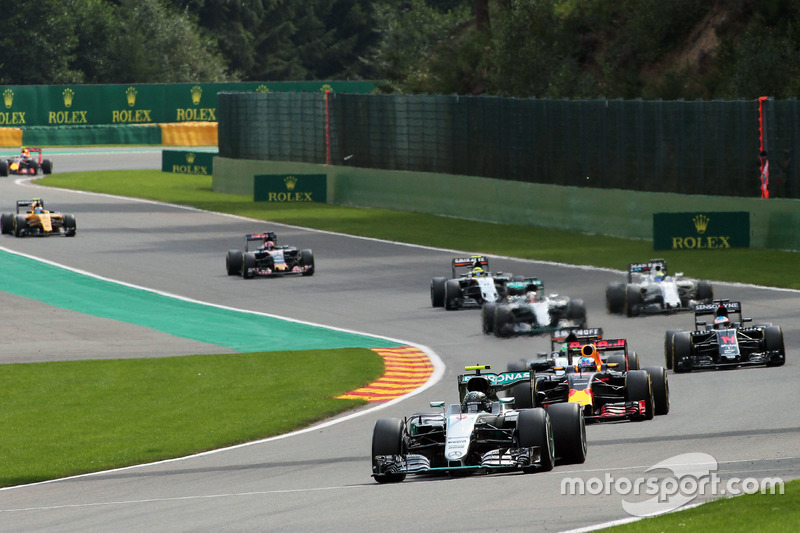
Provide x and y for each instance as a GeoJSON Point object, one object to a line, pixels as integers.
{"type": "Point", "coordinates": [471, 284]}
{"type": "Point", "coordinates": [603, 377]}
{"type": "Point", "coordinates": [724, 343]}
{"type": "Point", "coordinates": [651, 290]}
{"type": "Point", "coordinates": [25, 164]}
{"type": "Point", "coordinates": [263, 257]}
{"type": "Point", "coordinates": [526, 310]}
{"type": "Point", "coordinates": [32, 218]}
{"type": "Point", "coordinates": [481, 433]}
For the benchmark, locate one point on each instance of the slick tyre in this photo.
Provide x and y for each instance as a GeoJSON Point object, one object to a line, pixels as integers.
{"type": "Point", "coordinates": [633, 301]}
{"type": "Point", "coordinates": [660, 384]}
{"type": "Point", "coordinates": [487, 317]}
{"type": "Point", "coordinates": [20, 225]}
{"type": "Point", "coordinates": [7, 223]}
{"type": "Point", "coordinates": [569, 431]}
{"type": "Point", "coordinates": [705, 292]}
{"type": "Point", "coordinates": [452, 294]}
{"type": "Point", "coordinates": [248, 264]}
{"type": "Point", "coordinates": [534, 429]}
{"type": "Point", "coordinates": [307, 260]}
{"type": "Point", "coordinates": [233, 262]}
{"type": "Point", "coordinates": [576, 313]}
{"type": "Point", "coordinates": [503, 321]}
{"type": "Point", "coordinates": [387, 439]}
{"type": "Point", "coordinates": [682, 352]}
{"type": "Point", "coordinates": [773, 342]}
{"type": "Point", "coordinates": [70, 226]}
{"type": "Point", "coordinates": [615, 298]}
{"type": "Point", "coordinates": [669, 341]}
{"type": "Point", "coordinates": [638, 387]}
{"type": "Point", "coordinates": [437, 291]}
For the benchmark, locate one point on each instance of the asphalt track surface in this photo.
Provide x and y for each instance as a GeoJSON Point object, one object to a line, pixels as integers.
{"type": "Point", "coordinates": [319, 480]}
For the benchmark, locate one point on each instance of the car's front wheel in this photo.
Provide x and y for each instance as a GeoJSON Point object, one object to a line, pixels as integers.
{"type": "Point", "coordinates": [387, 439]}
{"type": "Point", "coordinates": [569, 432]}
{"type": "Point", "coordinates": [535, 430]}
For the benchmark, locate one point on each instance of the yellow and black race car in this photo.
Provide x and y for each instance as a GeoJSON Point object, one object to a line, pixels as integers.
{"type": "Point", "coordinates": [32, 218]}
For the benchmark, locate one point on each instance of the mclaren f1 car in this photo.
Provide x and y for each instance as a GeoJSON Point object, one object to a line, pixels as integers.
{"type": "Point", "coordinates": [32, 218]}
{"type": "Point", "coordinates": [262, 256]}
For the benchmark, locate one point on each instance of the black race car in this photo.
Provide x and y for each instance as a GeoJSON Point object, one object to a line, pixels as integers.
{"type": "Point", "coordinates": [263, 257]}
{"type": "Point", "coordinates": [25, 163]}
{"type": "Point", "coordinates": [527, 310]}
{"type": "Point", "coordinates": [650, 289]}
{"type": "Point", "coordinates": [726, 342]}
{"type": "Point", "coordinates": [471, 284]}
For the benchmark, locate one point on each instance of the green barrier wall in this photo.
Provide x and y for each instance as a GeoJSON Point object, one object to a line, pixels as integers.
{"type": "Point", "coordinates": [622, 213]}
{"type": "Point", "coordinates": [91, 135]}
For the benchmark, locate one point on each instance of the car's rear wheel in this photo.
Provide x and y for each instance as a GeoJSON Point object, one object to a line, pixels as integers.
{"type": "Point", "coordinates": [4, 168]}
{"type": "Point", "coordinates": [437, 291]}
{"type": "Point", "coordinates": [633, 361]}
{"type": "Point", "coordinates": [7, 223]}
{"type": "Point", "coordinates": [638, 387]}
{"type": "Point", "coordinates": [660, 384]}
{"type": "Point", "coordinates": [534, 430]}
{"type": "Point", "coordinates": [487, 317]}
{"type": "Point", "coordinates": [576, 312]}
{"type": "Point", "coordinates": [503, 321]}
{"type": "Point", "coordinates": [705, 292]}
{"type": "Point", "coordinates": [307, 259]}
{"type": "Point", "coordinates": [233, 262]}
{"type": "Point", "coordinates": [633, 300]}
{"type": "Point", "coordinates": [619, 360]}
{"type": "Point", "coordinates": [70, 226]}
{"type": "Point", "coordinates": [615, 298]}
{"type": "Point", "coordinates": [248, 264]}
{"type": "Point", "coordinates": [569, 431]}
{"type": "Point", "coordinates": [34, 167]}
{"type": "Point", "coordinates": [47, 166]}
{"type": "Point", "coordinates": [387, 439]}
{"type": "Point", "coordinates": [524, 394]}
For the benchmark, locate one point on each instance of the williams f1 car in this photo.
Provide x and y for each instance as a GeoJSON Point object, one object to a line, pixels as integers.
{"type": "Point", "coordinates": [32, 218]}
{"type": "Point", "coordinates": [526, 310]}
{"type": "Point", "coordinates": [482, 433]}
{"type": "Point", "coordinates": [263, 257]}
{"type": "Point", "coordinates": [724, 343]}
{"type": "Point", "coordinates": [471, 284]}
{"type": "Point", "coordinates": [25, 164]}
{"type": "Point", "coordinates": [651, 290]}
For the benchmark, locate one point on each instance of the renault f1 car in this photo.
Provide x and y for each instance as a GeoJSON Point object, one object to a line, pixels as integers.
{"type": "Point", "coordinates": [481, 433]}
{"type": "Point", "coordinates": [603, 377]}
{"type": "Point", "coordinates": [32, 218]}
{"type": "Point", "coordinates": [526, 310]}
{"type": "Point", "coordinates": [471, 284]}
{"type": "Point", "coordinates": [651, 290]}
{"type": "Point", "coordinates": [25, 163]}
{"type": "Point", "coordinates": [263, 257]}
{"type": "Point", "coordinates": [724, 343]}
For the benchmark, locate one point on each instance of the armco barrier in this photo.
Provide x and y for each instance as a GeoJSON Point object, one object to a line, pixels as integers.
{"type": "Point", "coordinates": [613, 212]}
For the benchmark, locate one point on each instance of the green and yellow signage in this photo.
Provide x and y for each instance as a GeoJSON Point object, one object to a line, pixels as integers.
{"type": "Point", "coordinates": [701, 230]}
{"type": "Point", "coordinates": [283, 188]}
{"type": "Point", "coordinates": [188, 162]}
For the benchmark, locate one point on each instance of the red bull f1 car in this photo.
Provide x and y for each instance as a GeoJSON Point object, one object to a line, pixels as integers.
{"type": "Point", "coordinates": [650, 289]}
{"type": "Point", "coordinates": [263, 257]}
{"type": "Point", "coordinates": [33, 219]}
{"type": "Point", "coordinates": [481, 433]}
{"type": "Point", "coordinates": [724, 341]}
{"type": "Point", "coordinates": [471, 284]}
{"type": "Point", "coordinates": [26, 164]}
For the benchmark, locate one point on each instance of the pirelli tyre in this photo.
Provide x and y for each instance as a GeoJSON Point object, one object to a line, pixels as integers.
{"type": "Point", "coordinates": [387, 439]}
{"type": "Point", "coordinates": [487, 317]}
{"type": "Point", "coordinates": [437, 291]}
{"type": "Point", "coordinates": [248, 264]}
{"type": "Point", "coordinates": [576, 312]}
{"type": "Point", "coordinates": [20, 225]}
{"type": "Point", "coordinates": [47, 166]}
{"type": "Point", "coordinates": [619, 360]}
{"type": "Point", "coordinates": [534, 429]}
{"type": "Point", "coordinates": [669, 339]}
{"type": "Point", "coordinates": [70, 226]}
{"type": "Point", "coordinates": [660, 384]}
{"type": "Point", "coordinates": [638, 387]}
{"type": "Point", "coordinates": [682, 352]}
{"type": "Point", "coordinates": [233, 262]}
{"type": "Point", "coordinates": [307, 259]}
{"type": "Point", "coordinates": [524, 394]}
{"type": "Point", "coordinates": [452, 295]}
{"type": "Point", "coordinates": [4, 168]}
{"type": "Point", "coordinates": [615, 298]}
{"type": "Point", "coordinates": [569, 432]}
{"type": "Point", "coordinates": [773, 344]}
{"type": "Point", "coordinates": [705, 292]}
{"type": "Point", "coordinates": [633, 301]}
{"type": "Point", "coordinates": [503, 321]}
{"type": "Point", "coordinates": [7, 223]}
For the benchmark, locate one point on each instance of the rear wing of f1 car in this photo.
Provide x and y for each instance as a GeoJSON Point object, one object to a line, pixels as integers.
{"type": "Point", "coordinates": [646, 268]}
{"type": "Point", "coordinates": [469, 263]}
{"type": "Point", "coordinates": [602, 346]}
{"type": "Point", "coordinates": [717, 308]}
{"type": "Point", "coordinates": [585, 335]}
{"type": "Point", "coordinates": [488, 383]}
{"type": "Point", "coordinates": [28, 203]}
{"type": "Point", "coordinates": [259, 237]}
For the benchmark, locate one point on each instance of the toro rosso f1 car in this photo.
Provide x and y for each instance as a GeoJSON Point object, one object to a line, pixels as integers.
{"type": "Point", "coordinates": [726, 342]}
{"type": "Point", "coordinates": [482, 433]}
{"type": "Point", "coordinates": [471, 284]}
{"type": "Point", "coordinates": [526, 310]}
{"type": "Point", "coordinates": [32, 218]}
{"type": "Point", "coordinates": [263, 257]}
{"type": "Point", "coordinates": [651, 290]}
{"type": "Point", "coordinates": [25, 164]}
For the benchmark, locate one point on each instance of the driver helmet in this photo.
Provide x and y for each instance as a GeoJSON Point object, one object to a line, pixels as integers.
{"type": "Point", "coordinates": [532, 296]}
{"type": "Point", "coordinates": [478, 271]}
{"type": "Point", "coordinates": [475, 401]}
{"type": "Point", "coordinates": [269, 245]}
{"type": "Point", "coordinates": [659, 274]}
{"type": "Point", "coordinates": [587, 363]}
{"type": "Point", "coordinates": [722, 322]}
{"type": "Point", "coordinates": [26, 152]}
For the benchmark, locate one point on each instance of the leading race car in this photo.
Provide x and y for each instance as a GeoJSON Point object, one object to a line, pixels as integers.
{"type": "Point", "coordinates": [651, 290]}
{"type": "Point", "coordinates": [263, 257]}
{"type": "Point", "coordinates": [603, 377]}
{"type": "Point", "coordinates": [25, 164]}
{"type": "Point", "coordinates": [527, 310]}
{"type": "Point", "coordinates": [481, 433]}
{"type": "Point", "coordinates": [725, 343]}
{"type": "Point", "coordinates": [471, 285]}
{"type": "Point", "coordinates": [32, 218]}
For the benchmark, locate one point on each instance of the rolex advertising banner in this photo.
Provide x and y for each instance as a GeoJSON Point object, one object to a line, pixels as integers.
{"type": "Point", "coordinates": [701, 230]}
{"type": "Point", "coordinates": [188, 162]}
{"type": "Point", "coordinates": [290, 188]}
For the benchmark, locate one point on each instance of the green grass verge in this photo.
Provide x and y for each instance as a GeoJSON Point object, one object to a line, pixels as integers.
{"type": "Point", "coordinates": [762, 267]}
{"type": "Point", "coordinates": [66, 418]}
{"type": "Point", "coordinates": [747, 513]}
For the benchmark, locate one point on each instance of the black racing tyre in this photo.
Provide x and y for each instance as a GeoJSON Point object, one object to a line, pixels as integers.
{"type": "Point", "coordinates": [437, 291]}
{"type": "Point", "coordinates": [452, 294]}
{"type": "Point", "coordinates": [47, 166]}
{"type": "Point", "coordinates": [4, 168]}
{"type": "Point", "coordinates": [773, 341]}
{"type": "Point", "coordinates": [503, 321]}
{"type": "Point", "coordinates": [705, 293]}
{"type": "Point", "coordinates": [20, 225]}
{"type": "Point", "coordinates": [619, 360]}
{"type": "Point", "coordinates": [638, 387]}
{"type": "Point", "coordinates": [633, 300]}
{"type": "Point", "coordinates": [633, 361]}
{"type": "Point", "coordinates": [7, 223]}
{"type": "Point", "coordinates": [35, 167]}
{"type": "Point", "coordinates": [569, 431]}
{"type": "Point", "coordinates": [682, 352]}
{"type": "Point", "coordinates": [576, 312]}
{"type": "Point", "coordinates": [534, 429]}
{"type": "Point", "coordinates": [248, 263]}
{"type": "Point", "coordinates": [669, 339]}
{"type": "Point", "coordinates": [387, 439]}
{"type": "Point", "coordinates": [615, 298]}
{"type": "Point", "coordinates": [70, 226]}
{"type": "Point", "coordinates": [660, 384]}
{"type": "Point", "coordinates": [233, 262]}
{"type": "Point", "coordinates": [487, 317]}
{"type": "Point", "coordinates": [307, 259]}
{"type": "Point", "coordinates": [524, 394]}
